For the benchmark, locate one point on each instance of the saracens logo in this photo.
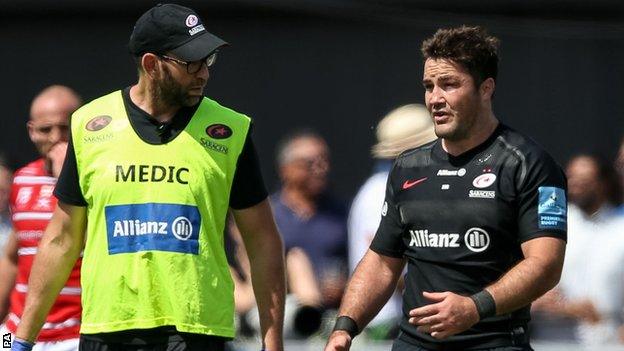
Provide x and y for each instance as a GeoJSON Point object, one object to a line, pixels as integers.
{"type": "Point", "coordinates": [191, 21]}
{"type": "Point", "coordinates": [219, 131]}
{"type": "Point", "coordinates": [98, 123]}
{"type": "Point", "coordinates": [484, 180]}
{"type": "Point", "coordinates": [477, 239]}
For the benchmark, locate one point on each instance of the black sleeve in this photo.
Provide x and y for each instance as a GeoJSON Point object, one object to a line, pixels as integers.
{"type": "Point", "coordinates": [542, 199]}
{"type": "Point", "coordinates": [248, 187]}
{"type": "Point", "coordinates": [388, 240]}
{"type": "Point", "coordinates": [68, 187]}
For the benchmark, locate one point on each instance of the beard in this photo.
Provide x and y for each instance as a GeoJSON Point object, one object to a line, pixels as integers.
{"type": "Point", "coordinates": [458, 132]}
{"type": "Point", "coordinates": [168, 92]}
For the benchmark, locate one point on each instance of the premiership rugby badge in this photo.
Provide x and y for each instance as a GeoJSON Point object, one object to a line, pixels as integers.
{"type": "Point", "coordinates": [219, 131]}
{"type": "Point", "coordinates": [98, 123]}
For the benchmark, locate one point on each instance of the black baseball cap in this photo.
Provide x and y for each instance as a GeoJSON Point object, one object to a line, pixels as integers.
{"type": "Point", "coordinates": [173, 28]}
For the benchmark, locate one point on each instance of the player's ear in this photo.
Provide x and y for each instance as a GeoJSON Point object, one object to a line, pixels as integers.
{"type": "Point", "coordinates": [31, 129]}
{"type": "Point", "coordinates": [486, 89]}
{"type": "Point", "coordinates": [149, 62]}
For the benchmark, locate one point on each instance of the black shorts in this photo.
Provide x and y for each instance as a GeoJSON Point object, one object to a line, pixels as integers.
{"type": "Point", "coordinates": [400, 345]}
{"type": "Point", "coordinates": [157, 339]}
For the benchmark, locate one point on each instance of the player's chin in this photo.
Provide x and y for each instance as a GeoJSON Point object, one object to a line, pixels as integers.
{"type": "Point", "coordinates": [193, 99]}
{"type": "Point", "coordinates": [445, 130]}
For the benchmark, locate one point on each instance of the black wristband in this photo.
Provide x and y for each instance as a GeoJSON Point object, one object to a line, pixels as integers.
{"type": "Point", "coordinates": [486, 306]}
{"type": "Point", "coordinates": [347, 324]}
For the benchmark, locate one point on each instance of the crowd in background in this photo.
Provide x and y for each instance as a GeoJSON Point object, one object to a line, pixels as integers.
{"type": "Point", "coordinates": [325, 238]}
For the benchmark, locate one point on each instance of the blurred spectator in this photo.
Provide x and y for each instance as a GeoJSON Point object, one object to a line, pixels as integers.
{"type": "Point", "coordinates": [5, 218]}
{"type": "Point", "coordinates": [403, 128]}
{"type": "Point", "coordinates": [303, 304]}
{"type": "Point", "coordinates": [32, 204]}
{"type": "Point", "coordinates": [587, 304]}
{"type": "Point", "coordinates": [307, 217]}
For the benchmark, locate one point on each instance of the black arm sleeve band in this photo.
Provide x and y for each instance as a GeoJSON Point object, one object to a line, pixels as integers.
{"type": "Point", "coordinates": [486, 306]}
{"type": "Point", "coordinates": [347, 324]}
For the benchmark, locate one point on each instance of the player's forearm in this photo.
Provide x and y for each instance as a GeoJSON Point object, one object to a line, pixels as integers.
{"type": "Point", "coordinates": [266, 257]}
{"type": "Point", "coordinates": [267, 273]}
{"type": "Point", "coordinates": [370, 287]}
{"type": "Point", "coordinates": [57, 254]}
{"type": "Point", "coordinates": [49, 273]}
{"type": "Point", "coordinates": [529, 279]}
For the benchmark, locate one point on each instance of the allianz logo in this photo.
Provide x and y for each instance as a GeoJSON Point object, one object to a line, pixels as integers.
{"type": "Point", "coordinates": [475, 239]}
{"type": "Point", "coordinates": [422, 238]}
{"type": "Point", "coordinates": [451, 172]}
{"type": "Point", "coordinates": [181, 228]}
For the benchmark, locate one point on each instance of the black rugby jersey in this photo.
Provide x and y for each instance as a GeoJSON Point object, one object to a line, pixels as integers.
{"type": "Point", "coordinates": [459, 221]}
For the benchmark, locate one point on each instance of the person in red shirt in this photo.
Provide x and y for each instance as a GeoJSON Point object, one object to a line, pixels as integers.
{"type": "Point", "coordinates": [32, 203]}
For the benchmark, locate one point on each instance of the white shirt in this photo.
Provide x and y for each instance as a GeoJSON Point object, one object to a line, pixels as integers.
{"type": "Point", "coordinates": [364, 218]}
{"type": "Point", "coordinates": [594, 270]}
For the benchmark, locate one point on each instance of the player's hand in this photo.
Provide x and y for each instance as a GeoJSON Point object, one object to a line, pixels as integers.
{"type": "Point", "coordinates": [338, 341]}
{"type": "Point", "coordinates": [56, 156]}
{"type": "Point", "coordinates": [447, 315]}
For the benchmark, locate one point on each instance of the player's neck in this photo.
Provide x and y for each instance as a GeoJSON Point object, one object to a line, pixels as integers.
{"type": "Point", "coordinates": [141, 96]}
{"type": "Point", "coordinates": [304, 206]}
{"type": "Point", "coordinates": [482, 130]}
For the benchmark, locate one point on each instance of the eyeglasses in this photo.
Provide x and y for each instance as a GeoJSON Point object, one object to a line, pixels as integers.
{"type": "Point", "coordinates": [195, 66]}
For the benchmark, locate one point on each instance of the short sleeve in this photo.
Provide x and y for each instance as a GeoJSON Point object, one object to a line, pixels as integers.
{"type": "Point", "coordinates": [388, 240]}
{"type": "Point", "coordinates": [542, 199]}
{"type": "Point", "coordinates": [67, 188]}
{"type": "Point", "coordinates": [248, 187]}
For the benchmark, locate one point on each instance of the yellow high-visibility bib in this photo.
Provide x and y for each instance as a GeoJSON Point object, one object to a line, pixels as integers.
{"type": "Point", "coordinates": [154, 252]}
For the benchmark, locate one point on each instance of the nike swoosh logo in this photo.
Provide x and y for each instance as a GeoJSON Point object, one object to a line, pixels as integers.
{"type": "Point", "coordinates": [409, 184]}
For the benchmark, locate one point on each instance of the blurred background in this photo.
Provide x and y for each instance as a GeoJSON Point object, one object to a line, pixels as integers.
{"type": "Point", "coordinates": [335, 65]}
{"type": "Point", "coordinates": [338, 66]}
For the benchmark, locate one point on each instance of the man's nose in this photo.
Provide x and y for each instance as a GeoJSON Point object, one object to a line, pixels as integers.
{"type": "Point", "coordinates": [204, 72]}
{"type": "Point", "coordinates": [58, 134]}
{"type": "Point", "coordinates": [436, 98]}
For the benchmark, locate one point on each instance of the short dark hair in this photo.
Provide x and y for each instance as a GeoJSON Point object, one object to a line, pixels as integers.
{"type": "Point", "coordinates": [472, 47]}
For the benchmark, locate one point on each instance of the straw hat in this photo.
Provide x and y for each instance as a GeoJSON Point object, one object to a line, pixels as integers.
{"type": "Point", "coordinates": [403, 128]}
